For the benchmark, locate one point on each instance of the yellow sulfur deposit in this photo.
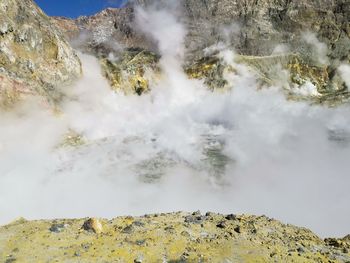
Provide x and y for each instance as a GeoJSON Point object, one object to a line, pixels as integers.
{"type": "Point", "coordinates": [175, 237]}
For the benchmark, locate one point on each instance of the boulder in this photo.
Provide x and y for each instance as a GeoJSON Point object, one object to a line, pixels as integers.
{"type": "Point", "coordinates": [35, 58]}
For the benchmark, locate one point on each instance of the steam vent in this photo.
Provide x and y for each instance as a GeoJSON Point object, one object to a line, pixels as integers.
{"type": "Point", "coordinates": [111, 123]}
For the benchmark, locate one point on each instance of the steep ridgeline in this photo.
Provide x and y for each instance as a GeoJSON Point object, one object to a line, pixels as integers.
{"type": "Point", "coordinates": [256, 30]}
{"type": "Point", "coordinates": [35, 59]}
{"type": "Point", "coordinates": [261, 25]}
{"type": "Point", "coordinates": [256, 26]}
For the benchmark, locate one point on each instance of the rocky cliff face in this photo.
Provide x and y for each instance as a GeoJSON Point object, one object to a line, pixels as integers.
{"type": "Point", "coordinates": [262, 32]}
{"type": "Point", "coordinates": [34, 56]}
{"type": "Point", "coordinates": [255, 27]}
{"type": "Point", "coordinates": [176, 237]}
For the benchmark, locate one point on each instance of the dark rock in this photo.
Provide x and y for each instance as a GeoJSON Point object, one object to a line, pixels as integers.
{"type": "Point", "coordinates": [221, 224]}
{"type": "Point", "coordinates": [86, 246]}
{"type": "Point", "coordinates": [93, 225]}
{"type": "Point", "coordinates": [272, 254]}
{"type": "Point", "coordinates": [301, 250]}
{"type": "Point", "coordinates": [140, 242]}
{"type": "Point", "coordinates": [185, 256]}
{"type": "Point", "coordinates": [128, 230]}
{"type": "Point", "coordinates": [230, 217]}
{"type": "Point", "coordinates": [170, 229]}
{"type": "Point", "coordinates": [197, 213]}
{"type": "Point", "coordinates": [57, 228]}
{"type": "Point", "coordinates": [333, 242]}
{"type": "Point", "coordinates": [237, 229]}
{"type": "Point", "coordinates": [138, 223]}
{"type": "Point", "coordinates": [195, 219]}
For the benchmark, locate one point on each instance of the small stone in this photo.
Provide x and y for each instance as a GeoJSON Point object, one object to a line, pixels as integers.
{"type": "Point", "coordinates": [221, 225]}
{"type": "Point", "coordinates": [230, 217]}
{"type": "Point", "coordinates": [138, 223]}
{"type": "Point", "coordinates": [86, 246]}
{"type": "Point", "coordinates": [300, 250]}
{"type": "Point", "coordinates": [185, 256]}
{"type": "Point", "coordinates": [140, 242]}
{"type": "Point", "coordinates": [57, 228]}
{"type": "Point", "coordinates": [333, 242]}
{"type": "Point", "coordinates": [237, 229]}
{"type": "Point", "coordinates": [128, 229]}
{"type": "Point", "coordinates": [170, 229]}
{"type": "Point", "coordinates": [195, 219]}
{"type": "Point", "coordinates": [93, 225]}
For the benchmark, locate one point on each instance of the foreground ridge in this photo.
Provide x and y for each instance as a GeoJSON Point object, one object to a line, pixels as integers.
{"type": "Point", "coordinates": [173, 237]}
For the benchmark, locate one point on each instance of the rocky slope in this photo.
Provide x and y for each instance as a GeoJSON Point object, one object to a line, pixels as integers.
{"type": "Point", "coordinates": [176, 237]}
{"type": "Point", "coordinates": [306, 38]}
{"type": "Point", "coordinates": [35, 59]}
{"type": "Point", "coordinates": [253, 27]}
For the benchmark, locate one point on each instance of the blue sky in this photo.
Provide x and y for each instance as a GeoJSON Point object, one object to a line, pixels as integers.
{"type": "Point", "coordinates": [75, 8]}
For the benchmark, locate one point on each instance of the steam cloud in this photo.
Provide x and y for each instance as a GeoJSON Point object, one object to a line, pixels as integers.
{"type": "Point", "coordinates": [180, 147]}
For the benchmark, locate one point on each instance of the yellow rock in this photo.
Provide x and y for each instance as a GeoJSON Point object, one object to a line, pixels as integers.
{"type": "Point", "coordinates": [175, 237]}
{"type": "Point", "coordinates": [93, 224]}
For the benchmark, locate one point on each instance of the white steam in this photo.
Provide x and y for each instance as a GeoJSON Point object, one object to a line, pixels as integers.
{"type": "Point", "coordinates": [320, 49]}
{"type": "Point", "coordinates": [180, 147]}
{"type": "Point", "coordinates": [345, 73]}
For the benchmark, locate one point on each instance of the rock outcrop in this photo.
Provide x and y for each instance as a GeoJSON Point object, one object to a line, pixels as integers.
{"type": "Point", "coordinates": [132, 72]}
{"type": "Point", "coordinates": [176, 237]}
{"type": "Point", "coordinates": [35, 58]}
{"type": "Point", "coordinates": [252, 27]}
{"type": "Point", "coordinates": [316, 32]}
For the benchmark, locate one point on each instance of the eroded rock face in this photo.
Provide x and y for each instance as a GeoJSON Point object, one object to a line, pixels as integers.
{"type": "Point", "coordinates": [132, 72]}
{"type": "Point", "coordinates": [176, 237]}
{"type": "Point", "coordinates": [252, 27]}
{"type": "Point", "coordinates": [313, 36]}
{"type": "Point", "coordinates": [34, 56]}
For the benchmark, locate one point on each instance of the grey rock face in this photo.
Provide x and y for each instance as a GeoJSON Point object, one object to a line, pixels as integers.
{"type": "Point", "coordinates": [34, 56]}
{"type": "Point", "coordinates": [252, 27]}
{"type": "Point", "coordinates": [316, 32]}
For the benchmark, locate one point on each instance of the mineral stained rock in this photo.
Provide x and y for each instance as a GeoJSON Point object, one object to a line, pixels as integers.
{"type": "Point", "coordinates": [35, 58]}
{"type": "Point", "coordinates": [132, 72]}
{"type": "Point", "coordinates": [175, 237]}
{"type": "Point", "coordinates": [254, 29]}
